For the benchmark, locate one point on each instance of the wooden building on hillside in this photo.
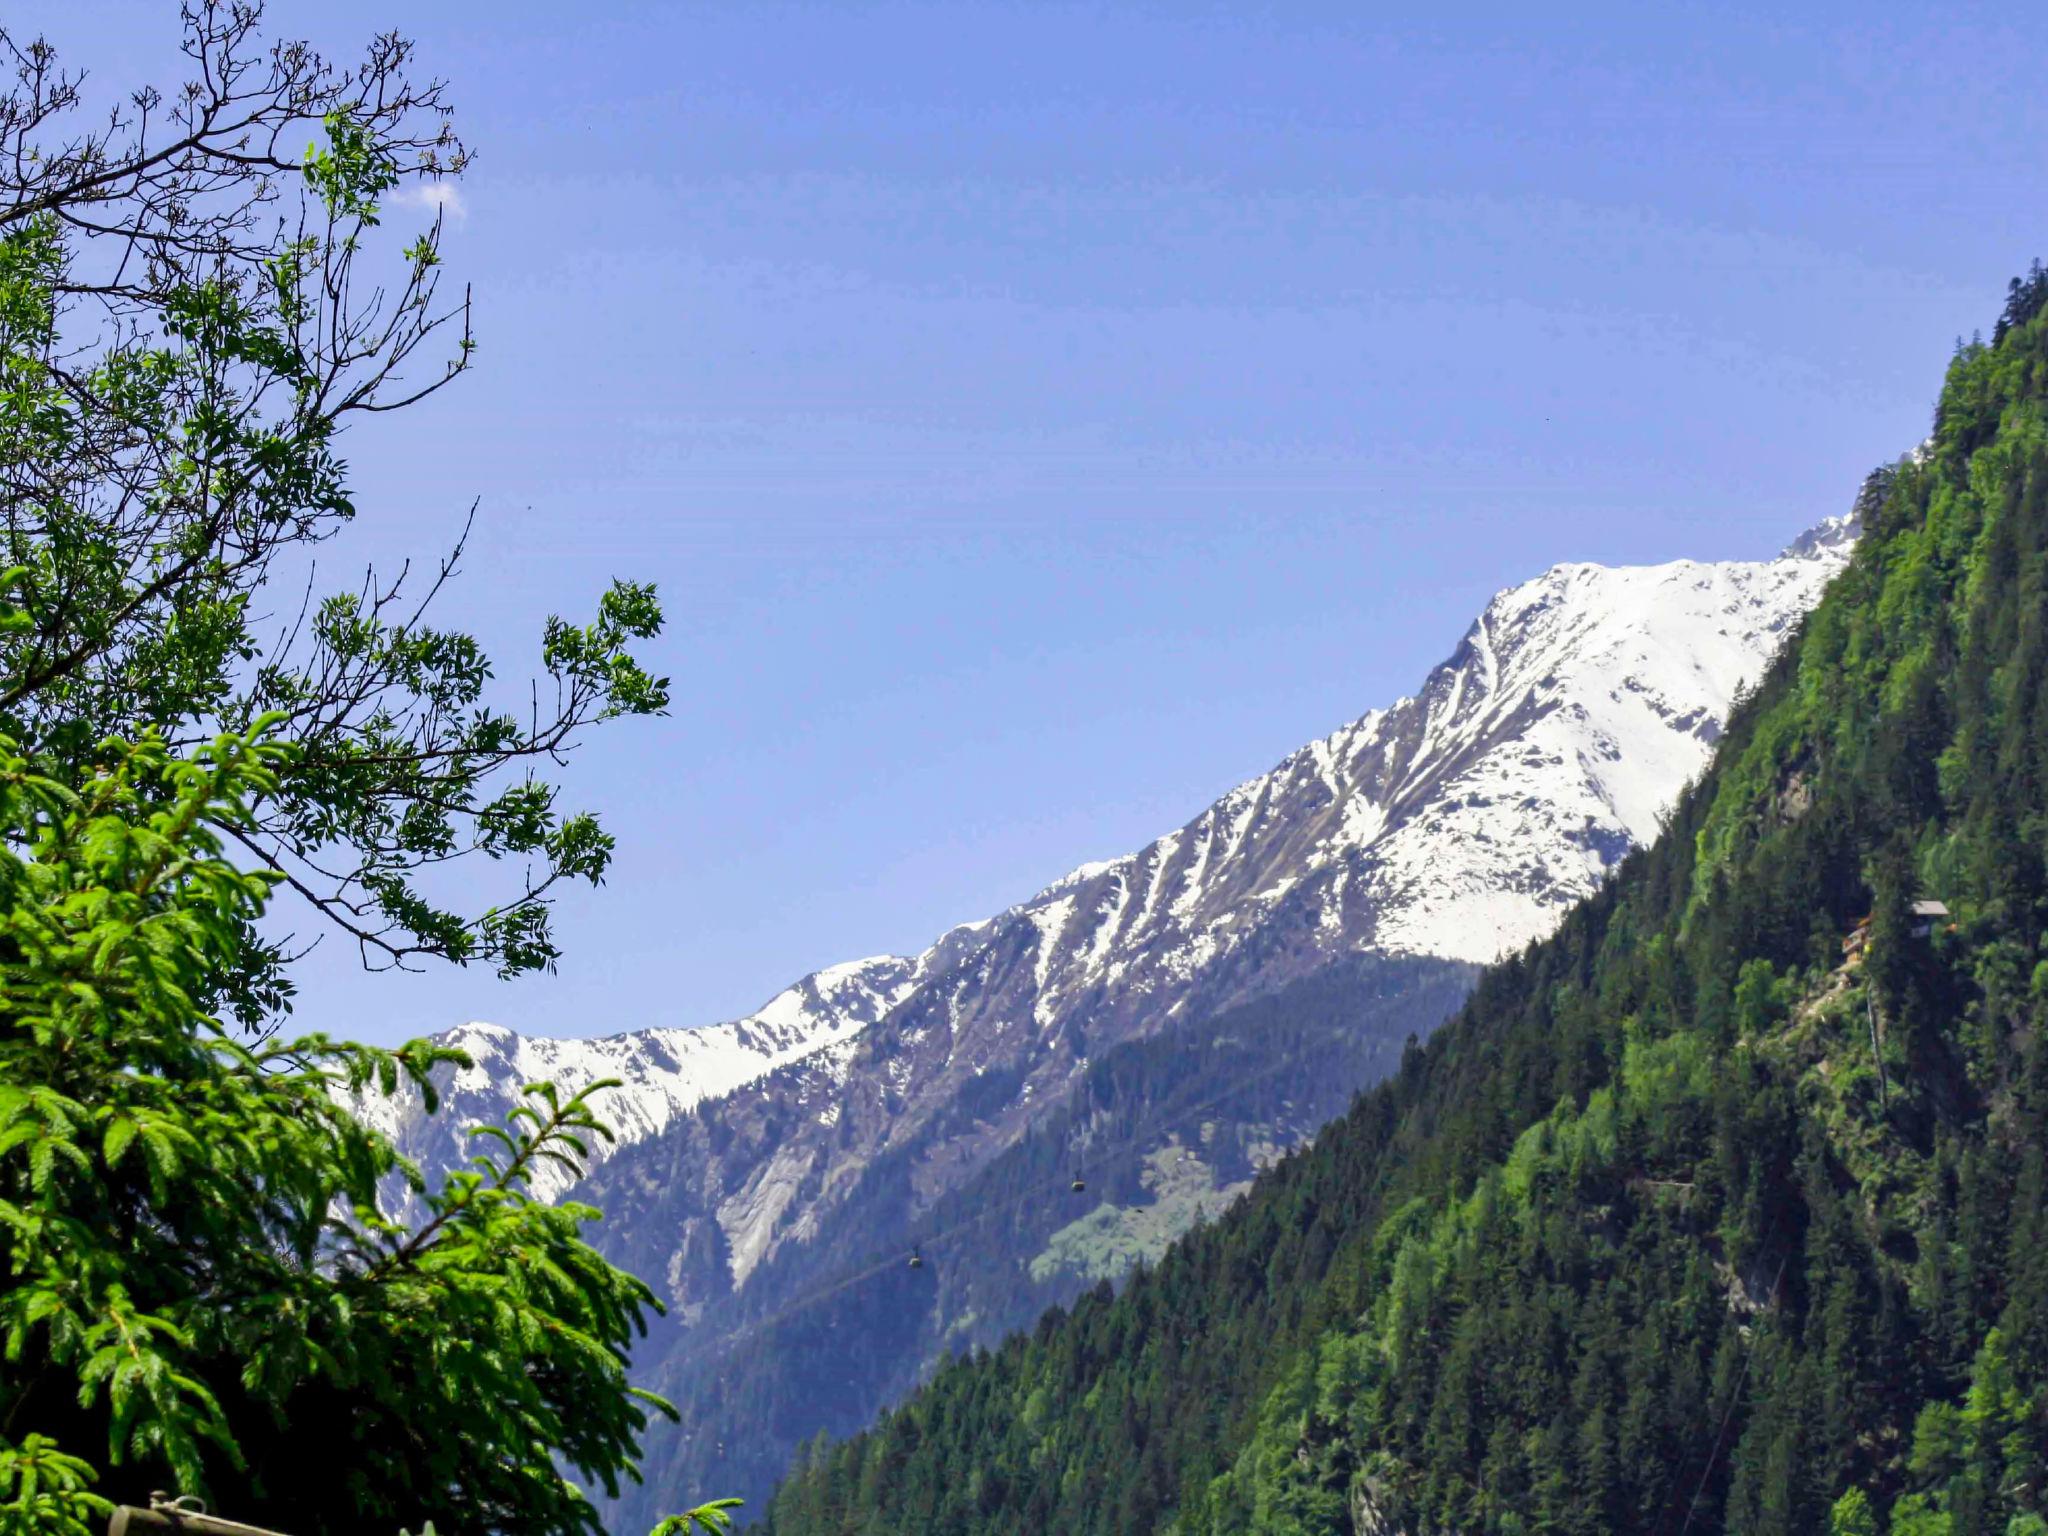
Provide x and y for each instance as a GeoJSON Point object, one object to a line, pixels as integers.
{"type": "Point", "coordinates": [1927, 914]}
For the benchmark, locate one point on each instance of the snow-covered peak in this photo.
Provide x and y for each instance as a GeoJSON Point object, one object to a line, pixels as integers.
{"type": "Point", "coordinates": [1462, 820]}
{"type": "Point", "coordinates": [1829, 539]}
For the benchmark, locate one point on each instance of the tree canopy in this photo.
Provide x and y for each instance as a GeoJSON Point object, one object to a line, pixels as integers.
{"type": "Point", "coordinates": [200, 293]}
{"type": "Point", "coordinates": [201, 289]}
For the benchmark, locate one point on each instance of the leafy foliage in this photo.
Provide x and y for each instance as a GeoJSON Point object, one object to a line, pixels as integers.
{"type": "Point", "coordinates": [44, 1490]}
{"type": "Point", "coordinates": [197, 1288]}
{"type": "Point", "coordinates": [1685, 1222]}
{"type": "Point", "coordinates": [197, 300]}
{"type": "Point", "coordinates": [714, 1517]}
{"type": "Point", "coordinates": [198, 1283]}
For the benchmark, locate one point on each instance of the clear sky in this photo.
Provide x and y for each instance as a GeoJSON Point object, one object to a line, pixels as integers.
{"type": "Point", "coordinates": [1039, 418]}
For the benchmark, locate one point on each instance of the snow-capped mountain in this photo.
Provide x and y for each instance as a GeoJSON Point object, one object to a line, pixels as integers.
{"type": "Point", "coordinates": [1459, 823]}
{"type": "Point", "coordinates": [761, 1162]}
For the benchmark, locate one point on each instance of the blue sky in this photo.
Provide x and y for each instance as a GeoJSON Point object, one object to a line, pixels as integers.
{"type": "Point", "coordinates": [1039, 418]}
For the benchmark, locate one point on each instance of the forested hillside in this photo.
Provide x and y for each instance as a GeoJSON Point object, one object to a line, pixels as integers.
{"type": "Point", "coordinates": [1441, 830]}
{"type": "Point", "coordinates": [1694, 1218]}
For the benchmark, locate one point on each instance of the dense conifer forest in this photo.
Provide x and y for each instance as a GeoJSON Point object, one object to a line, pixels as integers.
{"type": "Point", "coordinates": [1715, 1210]}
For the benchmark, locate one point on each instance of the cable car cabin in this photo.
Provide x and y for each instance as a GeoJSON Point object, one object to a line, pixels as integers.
{"type": "Point", "coordinates": [916, 1258]}
{"type": "Point", "coordinates": [1079, 1184]}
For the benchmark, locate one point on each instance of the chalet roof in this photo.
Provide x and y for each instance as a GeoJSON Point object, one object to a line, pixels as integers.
{"type": "Point", "coordinates": [1927, 907]}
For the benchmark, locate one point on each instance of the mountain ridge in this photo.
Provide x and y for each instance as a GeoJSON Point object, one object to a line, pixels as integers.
{"type": "Point", "coordinates": [1471, 915]}
{"type": "Point", "coordinates": [1574, 708]}
{"type": "Point", "coordinates": [668, 1069]}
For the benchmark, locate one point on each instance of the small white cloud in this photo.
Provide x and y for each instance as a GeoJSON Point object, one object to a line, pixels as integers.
{"type": "Point", "coordinates": [442, 197]}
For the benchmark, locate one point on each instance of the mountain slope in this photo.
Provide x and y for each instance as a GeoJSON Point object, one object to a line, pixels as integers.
{"type": "Point", "coordinates": [764, 1162]}
{"type": "Point", "coordinates": [1685, 1221]}
{"type": "Point", "coordinates": [1447, 826]}
{"type": "Point", "coordinates": [1457, 823]}
{"type": "Point", "coordinates": [663, 1072]}
{"type": "Point", "coordinates": [1163, 1131]}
